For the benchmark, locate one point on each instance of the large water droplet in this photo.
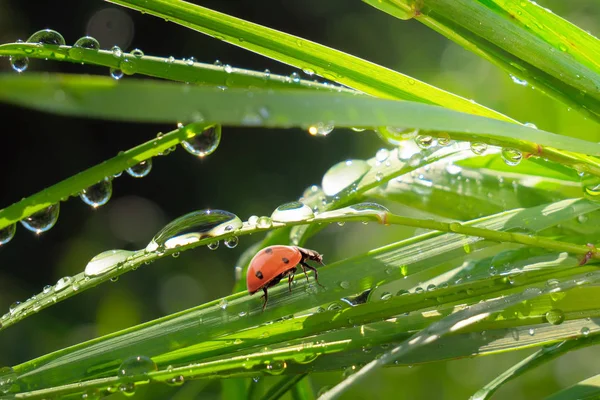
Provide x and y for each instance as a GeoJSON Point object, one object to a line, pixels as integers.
{"type": "Point", "coordinates": [294, 211]}
{"type": "Point", "coordinates": [205, 141]}
{"type": "Point", "coordinates": [7, 233]}
{"type": "Point", "coordinates": [342, 175]}
{"type": "Point", "coordinates": [116, 73]}
{"type": "Point", "coordinates": [106, 261]}
{"type": "Point", "coordinates": [136, 366]}
{"type": "Point", "coordinates": [478, 148]}
{"type": "Point", "coordinates": [396, 135]}
{"type": "Point", "coordinates": [18, 64]}
{"type": "Point", "coordinates": [231, 242]}
{"type": "Point", "coordinates": [7, 379]}
{"type": "Point", "coordinates": [555, 317]}
{"type": "Point", "coordinates": [511, 156]}
{"type": "Point", "coordinates": [424, 141]}
{"type": "Point", "coordinates": [193, 227]}
{"type": "Point", "coordinates": [99, 194]}
{"type": "Point", "coordinates": [47, 36]}
{"type": "Point", "coordinates": [585, 331]}
{"type": "Point", "coordinates": [264, 222]}
{"type": "Point", "coordinates": [86, 42]}
{"type": "Point", "coordinates": [128, 66]}
{"type": "Point", "coordinates": [382, 155]}
{"type": "Point", "coordinates": [140, 169]}
{"type": "Point", "coordinates": [42, 221]}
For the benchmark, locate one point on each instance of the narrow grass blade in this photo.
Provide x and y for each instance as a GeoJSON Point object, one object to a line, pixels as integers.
{"type": "Point", "coordinates": [330, 63]}
{"type": "Point", "coordinates": [282, 387]}
{"type": "Point", "coordinates": [587, 389]}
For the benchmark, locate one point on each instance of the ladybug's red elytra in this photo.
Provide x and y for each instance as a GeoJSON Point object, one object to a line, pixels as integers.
{"type": "Point", "coordinates": [273, 263]}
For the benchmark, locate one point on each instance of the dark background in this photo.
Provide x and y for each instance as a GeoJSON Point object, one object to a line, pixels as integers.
{"type": "Point", "coordinates": [252, 172]}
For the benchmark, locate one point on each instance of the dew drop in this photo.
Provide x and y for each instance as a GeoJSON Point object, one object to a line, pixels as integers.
{"type": "Point", "coordinates": [386, 296]}
{"type": "Point", "coordinates": [223, 304]}
{"type": "Point", "coordinates": [205, 140]}
{"type": "Point", "coordinates": [62, 283]}
{"type": "Point", "coordinates": [116, 73]}
{"type": "Point", "coordinates": [585, 331]}
{"type": "Point", "coordinates": [97, 195]}
{"type": "Point", "coordinates": [382, 155]}
{"type": "Point", "coordinates": [46, 289]}
{"type": "Point", "coordinates": [478, 148]}
{"type": "Point", "coordinates": [190, 61]}
{"type": "Point", "coordinates": [443, 139]}
{"type": "Point", "coordinates": [231, 242]}
{"type": "Point", "coordinates": [593, 190]}
{"type": "Point", "coordinates": [290, 212]}
{"type": "Point", "coordinates": [379, 176]}
{"type": "Point", "coordinates": [7, 233]}
{"type": "Point", "coordinates": [424, 141]}
{"type": "Point", "coordinates": [264, 222]}
{"type": "Point", "coordinates": [267, 74]}
{"type": "Point", "coordinates": [227, 68]}
{"type": "Point", "coordinates": [530, 125]}
{"type": "Point", "coordinates": [13, 307]}
{"type": "Point", "coordinates": [137, 53]}
{"type": "Point", "coordinates": [531, 331]}
{"type": "Point", "coordinates": [308, 71]}
{"type": "Point", "coordinates": [140, 169]}
{"type": "Point", "coordinates": [42, 221]}
{"type": "Point", "coordinates": [47, 36]}
{"type": "Point", "coordinates": [357, 129]}
{"type": "Point", "coordinates": [176, 381]}
{"type": "Point", "coordinates": [511, 156]}
{"type": "Point", "coordinates": [343, 175]}
{"type": "Point", "coordinates": [136, 366]}
{"type": "Point", "coordinates": [253, 220]}
{"type": "Point", "coordinates": [106, 261]}
{"type": "Point", "coordinates": [295, 77]}
{"type": "Point", "coordinates": [213, 245]}
{"type": "Point", "coordinates": [127, 67]}
{"type": "Point", "coordinates": [19, 64]}
{"type": "Point", "coordinates": [86, 42]}
{"type": "Point", "coordinates": [321, 129]}
{"type": "Point", "coordinates": [334, 307]}
{"type": "Point", "coordinates": [396, 135]}
{"type": "Point", "coordinates": [518, 81]}
{"type": "Point", "coordinates": [192, 227]}
{"type": "Point", "coordinates": [582, 219]}
{"type": "Point", "coordinates": [555, 317]}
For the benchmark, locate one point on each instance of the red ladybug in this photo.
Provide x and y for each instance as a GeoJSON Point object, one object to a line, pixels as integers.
{"type": "Point", "coordinates": [273, 263]}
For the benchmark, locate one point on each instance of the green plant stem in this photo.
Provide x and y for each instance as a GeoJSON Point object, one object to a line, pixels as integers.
{"type": "Point", "coordinates": [74, 185]}
{"type": "Point", "coordinates": [283, 386]}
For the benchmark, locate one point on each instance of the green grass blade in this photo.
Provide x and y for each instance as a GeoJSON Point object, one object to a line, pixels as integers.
{"type": "Point", "coordinates": [587, 389]}
{"type": "Point", "coordinates": [103, 98]}
{"type": "Point", "coordinates": [330, 63]}
{"type": "Point", "coordinates": [282, 387]}
{"type": "Point", "coordinates": [527, 41]}
{"type": "Point", "coordinates": [538, 358]}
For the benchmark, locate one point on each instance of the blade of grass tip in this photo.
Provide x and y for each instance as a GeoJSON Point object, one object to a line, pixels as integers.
{"type": "Point", "coordinates": [283, 386]}
{"type": "Point", "coordinates": [75, 184]}
{"type": "Point", "coordinates": [588, 389]}
{"type": "Point", "coordinates": [332, 64]}
{"type": "Point", "coordinates": [538, 358]}
{"type": "Point", "coordinates": [454, 323]}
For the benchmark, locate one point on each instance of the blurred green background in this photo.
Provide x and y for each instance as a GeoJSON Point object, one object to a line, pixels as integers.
{"type": "Point", "coordinates": [252, 172]}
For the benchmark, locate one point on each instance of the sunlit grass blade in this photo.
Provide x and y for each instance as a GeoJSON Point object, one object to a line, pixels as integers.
{"type": "Point", "coordinates": [538, 358]}
{"type": "Point", "coordinates": [102, 97]}
{"type": "Point", "coordinates": [188, 71]}
{"type": "Point", "coordinates": [529, 42]}
{"type": "Point", "coordinates": [588, 389]}
{"type": "Point", "coordinates": [212, 320]}
{"type": "Point", "coordinates": [330, 63]}
{"type": "Point", "coordinates": [282, 387]}
{"type": "Point", "coordinates": [455, 322]}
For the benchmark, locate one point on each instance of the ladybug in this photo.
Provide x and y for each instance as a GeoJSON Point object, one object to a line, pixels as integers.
{"type": "Point", "coordinates": [273, 263]}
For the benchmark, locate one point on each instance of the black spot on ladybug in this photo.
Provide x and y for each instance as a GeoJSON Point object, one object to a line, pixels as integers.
{"type": "Point", "coordinates": [285, 260]}
{"type": "Point", "coordinates": [259, 275]}
{"type": "Point", "coordinates": [268, 250]}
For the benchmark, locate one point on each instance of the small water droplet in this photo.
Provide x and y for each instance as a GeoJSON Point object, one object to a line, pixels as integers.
{"type": "Point", "coordinates": [290, 212]}
{"type": "Point", "coordinates": [264, 222]}
{"type": "Point", "coordinates": [137, 53]}
{"type": "Point", "coordinates": [19, 64]}
{"type": "Point", "coordinates": [555, 317]}
{"type": "Point", "coordinates": [443, 139]}
{"type": "Point", "coordinates": [382, 155]}
{"type": "Point", "coordinates": [47, 36]}
{"type": "Point", "coordinates": [213, 245]}
{"type": "Point", "coordinates": [127, 66]}
{"type": "Point", "coordinates": [334, 307]}
{"type": "Point", "coordinates": [531, 331]}
{"type": "Point", "coordinates": [308, 71]}
{"type": "Point", "coordinates": [585, 331]}
{"type": "Point", "coordinates": [99, 194]}
{"type": "Point", "coordinates": [386, 296]}
{"type": "Point", "coordinates": [345, 285]}
{"type": "Point", "coordinates": [116, 51]}
{"type": "Point", "coordinates": [62, 283]}
{"type": "Point", "coordinates": [7, 379]}
{"type": "Point", "coordinates": [321, 129]}
{"type": "Point", "coordinates": [424, 141]}
{"type": "Point", "coordinates": [116, 73]}
{"type": "Point", "coordinates": [42, 221]}
{"type": "Point", "coordinates": [582, 219]}
{"type": "Point", "coordinates": [205, 140]}
{"type": "Point", "coordinates": [223, 304]}
{"type": "Point", "coordinates": [176, 381]}
{"type": "Point", "coordinates": [511, 156]}
{"type": "Point", "coordinates": [295, 77]}
{"type": "Point", "coordinates": [140, 169]}
{"type": "Point", "coordinates": [190, 61]}
{"type": "Point", "coordinates": [267, 74]}
{"type": "Point", "coordinates": [227, 68]}
{"type": "Point", "coordinates": [379, 176]}
{"type": "Point", "coordinates": [136, 366]}
{"type": "Point", "coordinates": [518, 81]}
{"type": "Point", "coordinates": [7, 233]}
{"type": "Point", "coordinates": [231, 242]}
{"type": "Point", "coordinates": [46, 289]}
{"type": "Point", "coordinates": [478, 148]}
{"type": "Point", "coordinates": [530, 125]}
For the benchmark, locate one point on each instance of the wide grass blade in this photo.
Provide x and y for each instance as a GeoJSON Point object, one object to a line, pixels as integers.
{"type": "Point", "coordinates": [327, 62]}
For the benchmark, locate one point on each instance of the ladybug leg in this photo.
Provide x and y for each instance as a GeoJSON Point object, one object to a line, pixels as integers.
{"type": "Point", "coordinates": [304, 270]}
{"type": "Point", "coordinates": [266, 296]}
{"type": "Point", "coordinates": [305, 265]}
{"type": "Point", "coordinates": [290, 279]}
